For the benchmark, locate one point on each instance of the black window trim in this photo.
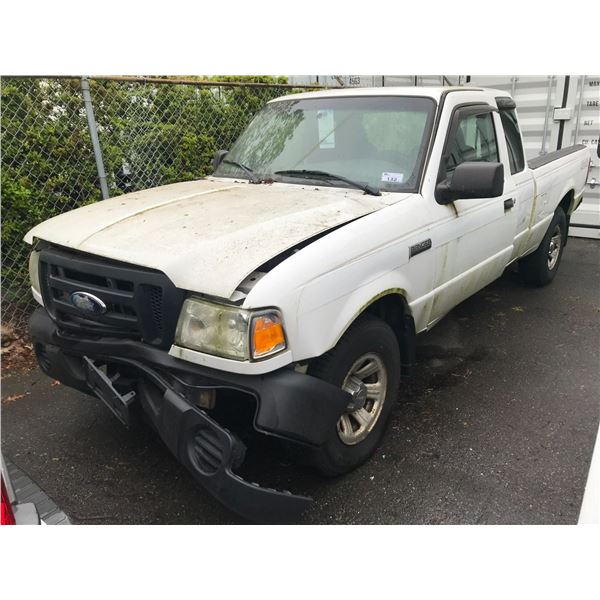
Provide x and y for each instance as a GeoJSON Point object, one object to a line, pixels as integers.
{"type": "Point", "coordinates": [436, 126]}
{"type": "Point", "coordinates": [507, 109]}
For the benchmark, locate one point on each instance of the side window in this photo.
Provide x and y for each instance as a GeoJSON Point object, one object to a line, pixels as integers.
{"type": "Point", "coordinates": [513, 140]}
{"type": "Point", "coordinates": [474, 140]}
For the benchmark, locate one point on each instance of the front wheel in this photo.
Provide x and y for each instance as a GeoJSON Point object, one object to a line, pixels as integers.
{"type": "Point", "coordinates": [540, 267]}
{"type": "Point", "coordinates": [365, 363]}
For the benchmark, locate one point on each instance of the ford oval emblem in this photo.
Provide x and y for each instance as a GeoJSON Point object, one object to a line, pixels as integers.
{"type": "Point", "coordinates": [88, 303]}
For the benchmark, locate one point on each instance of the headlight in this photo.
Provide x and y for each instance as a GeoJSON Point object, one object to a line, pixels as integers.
{"type": "Point", "coordinates": [229, 331]}
{"type": "Point", "coordinates": [34, 270]}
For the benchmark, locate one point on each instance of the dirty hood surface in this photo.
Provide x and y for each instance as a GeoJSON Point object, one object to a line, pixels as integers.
{"type": "Point", "coordinates": [206, 235]}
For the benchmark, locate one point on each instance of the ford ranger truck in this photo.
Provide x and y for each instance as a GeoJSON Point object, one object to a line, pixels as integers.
{"type": "Point", "coordinates": [338, 226]}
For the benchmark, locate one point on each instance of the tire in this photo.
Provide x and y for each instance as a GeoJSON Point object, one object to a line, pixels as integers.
{"type": "Point", "coordinates": [539, 268]}
{"type": "Point", "coordinates": [372, 341]}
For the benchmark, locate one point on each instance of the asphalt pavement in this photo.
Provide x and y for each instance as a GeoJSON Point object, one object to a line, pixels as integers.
{"type": "Point", "coordinates": [498, 426]}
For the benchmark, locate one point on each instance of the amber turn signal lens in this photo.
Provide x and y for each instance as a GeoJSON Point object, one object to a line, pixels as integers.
{"type": "Point", "coordinates": [267, 335]}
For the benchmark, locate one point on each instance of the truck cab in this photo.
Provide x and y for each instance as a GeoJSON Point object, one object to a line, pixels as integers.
{"type": "Point", "coordinates": [339, 226]}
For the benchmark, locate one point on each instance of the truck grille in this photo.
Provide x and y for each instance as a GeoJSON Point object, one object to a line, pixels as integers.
{"type": "Point", "coordinates": [141, 304]}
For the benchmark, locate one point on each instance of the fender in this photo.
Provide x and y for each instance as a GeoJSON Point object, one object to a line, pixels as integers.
{"type": "Point", "coordinates": [325, 324]}
{"type": "Point", "coordinates": [398, 293]}
{"type": "Point", "coordinates": [391, 306]}
{"type": "Point", "coordinates": [322, 288]}
{"type": "Point", "coordinates": [568, 190]}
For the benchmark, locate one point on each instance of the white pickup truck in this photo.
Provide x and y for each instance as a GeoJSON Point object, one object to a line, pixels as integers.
{"type": "Point", "coordinates": [297, 277]}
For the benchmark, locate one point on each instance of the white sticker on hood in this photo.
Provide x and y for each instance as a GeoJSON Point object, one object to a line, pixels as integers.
{"type": "Point", "coordinates": [392, 177]}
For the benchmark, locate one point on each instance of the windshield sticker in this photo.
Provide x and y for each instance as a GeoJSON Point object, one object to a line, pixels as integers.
{"type": "Point", "coordinates": [392, 177]}
{"type": "Point", "coordinates": [326, 126]}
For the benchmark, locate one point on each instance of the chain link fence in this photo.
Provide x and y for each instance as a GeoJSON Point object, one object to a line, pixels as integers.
{"type": "Point", "coordinates": [71, 141]}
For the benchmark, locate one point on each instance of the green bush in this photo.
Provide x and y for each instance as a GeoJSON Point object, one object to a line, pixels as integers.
{"type": "Point", "coordinates": [150, 134]}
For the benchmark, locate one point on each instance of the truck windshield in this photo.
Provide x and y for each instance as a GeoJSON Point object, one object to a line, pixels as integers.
{"type": "Point", "coordinates": [379, 141]}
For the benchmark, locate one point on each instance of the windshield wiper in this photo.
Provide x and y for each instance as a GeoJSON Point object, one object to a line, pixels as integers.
{"type": "Point", "coordinates": [251, 176]}
{"type": "Point", "coordinates": [367, 189]}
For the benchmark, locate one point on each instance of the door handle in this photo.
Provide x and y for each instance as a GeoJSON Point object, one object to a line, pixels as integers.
{"type": "Point", "coordinates": [508, 204]}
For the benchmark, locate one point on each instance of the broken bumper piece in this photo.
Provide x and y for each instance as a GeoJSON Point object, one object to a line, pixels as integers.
{"type": "Point", "coordinates": [122, 373]}
{"type": "Point", "coordinates": [211, 452]}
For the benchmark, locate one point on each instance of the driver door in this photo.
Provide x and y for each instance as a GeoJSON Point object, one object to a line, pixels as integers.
{"type": "Point", "coordinates": [481, 234]}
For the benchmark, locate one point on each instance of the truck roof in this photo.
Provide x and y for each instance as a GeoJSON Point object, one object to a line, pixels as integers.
{"type": "Point", "coordinates": [425, 91]}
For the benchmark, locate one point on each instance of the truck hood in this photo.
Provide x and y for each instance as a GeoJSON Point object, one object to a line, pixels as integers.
{"type": "Point", "coordinates": [207, 235]}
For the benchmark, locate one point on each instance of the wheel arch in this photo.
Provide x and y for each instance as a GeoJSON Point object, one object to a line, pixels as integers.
{"type": "Point", "coordinates": [568, 206]}
{"type": "Point", "coordinates": [567, 202]}
{"type": "Point", "coordinates": [391, 306]}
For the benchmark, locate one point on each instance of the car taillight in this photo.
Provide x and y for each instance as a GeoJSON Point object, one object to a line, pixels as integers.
{"type": "Point", "coordinates": [7, 517]}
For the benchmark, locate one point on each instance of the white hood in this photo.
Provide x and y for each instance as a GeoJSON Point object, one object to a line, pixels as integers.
{"type": "Point", "coordinates": [206, 235]}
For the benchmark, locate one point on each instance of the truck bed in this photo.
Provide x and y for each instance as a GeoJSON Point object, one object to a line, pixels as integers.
{"type": "Point", "coordinates": [557, 175]}
{"type": "Point", "coordinates": [544, 159]}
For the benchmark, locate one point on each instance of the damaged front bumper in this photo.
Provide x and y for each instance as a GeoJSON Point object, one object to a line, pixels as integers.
{"type": "Point", "coordinates": [290, 405]}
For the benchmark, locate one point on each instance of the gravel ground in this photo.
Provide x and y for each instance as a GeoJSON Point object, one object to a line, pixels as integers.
{"type": "Point", "coordinates": [497, 427]}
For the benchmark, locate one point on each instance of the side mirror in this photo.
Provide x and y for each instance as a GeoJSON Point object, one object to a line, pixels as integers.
{"type": "Point", "coordinates": [472, 180]}
{"type": "Point", "coordinates": [218, 158]}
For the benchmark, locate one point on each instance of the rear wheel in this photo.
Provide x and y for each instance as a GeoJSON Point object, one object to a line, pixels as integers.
{"type": "Point", "coordinates": [365, 363]}
{"type": "Point", "coordinates": [540, 267]}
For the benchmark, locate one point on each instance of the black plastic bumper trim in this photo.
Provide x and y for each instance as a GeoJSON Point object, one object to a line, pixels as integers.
{"type": "Point", "coordinates": [291, 405]}
{"type": "Point", "coordinates": [186, 430]}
